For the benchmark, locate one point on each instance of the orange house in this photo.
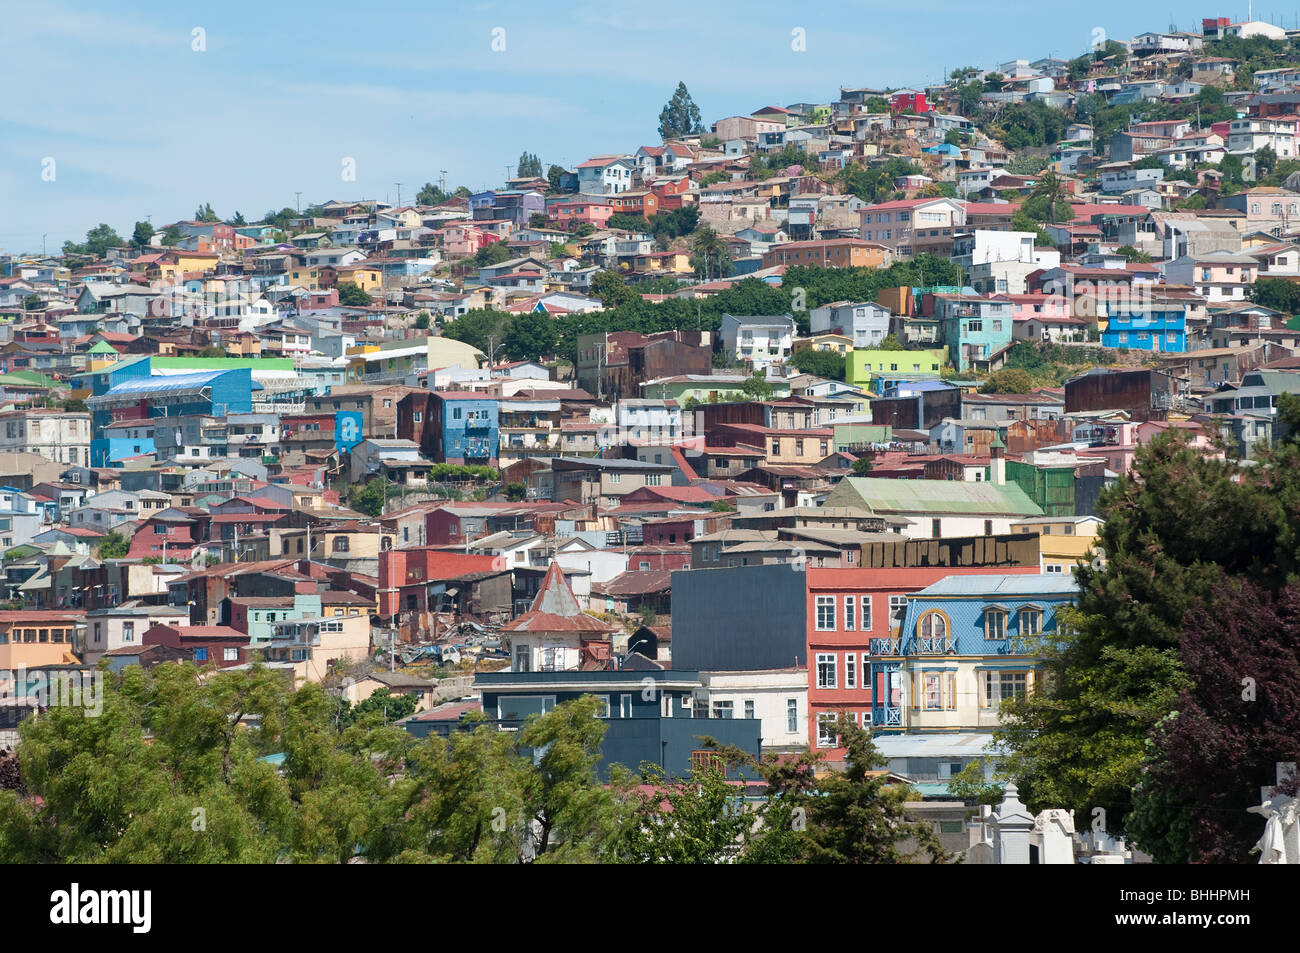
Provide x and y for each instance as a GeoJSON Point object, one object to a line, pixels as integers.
{"type": "Point", "coordinates": [830, 253]}
{"type": "Point", "coordinates": [32, 637]}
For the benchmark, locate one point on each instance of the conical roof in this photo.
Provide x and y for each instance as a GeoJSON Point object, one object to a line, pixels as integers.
{"type": "Point", "coordinates": [556, 609]}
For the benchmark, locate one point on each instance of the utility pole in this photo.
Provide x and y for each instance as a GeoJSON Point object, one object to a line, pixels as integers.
{"type": "Point", "coordinates": [298, 201]}
{"type": "Point", "coordinates": [399, 194]}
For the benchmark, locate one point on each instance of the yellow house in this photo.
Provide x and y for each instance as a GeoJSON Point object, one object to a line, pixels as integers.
{"type": "Point", "coordinates": [864, 364]}
{"type": "Point", "coordinates": [305, 276]}
{"type": "Point", "coordinates": [1063, 540]}
{"type": "Point", "coordinates": [365, 277]}
{"type": "Point", "coordinates": [839, 343]}
{"type": "Point", "coordinates": [174, 264]}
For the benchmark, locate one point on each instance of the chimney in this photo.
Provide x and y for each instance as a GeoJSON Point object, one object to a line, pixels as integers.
{"type": "Point", "coordinates": [998, 463]}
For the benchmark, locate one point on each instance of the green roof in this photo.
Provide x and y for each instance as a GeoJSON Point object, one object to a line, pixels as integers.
{"type": "Point", "coordinates": [102, 347]}
{"type": "Point", "coordinates": [28, 379]}
{"type": "Point", "coordinates": [940, 497]}
{"type": "Point", "coordinates": [222, 363]}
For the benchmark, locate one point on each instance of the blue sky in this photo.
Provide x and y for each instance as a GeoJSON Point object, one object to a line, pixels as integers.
{"type": "Point", "coordinates": [139, 123]}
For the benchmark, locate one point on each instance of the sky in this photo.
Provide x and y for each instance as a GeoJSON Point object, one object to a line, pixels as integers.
{"type": "Point", "coordinates": [115, 113]}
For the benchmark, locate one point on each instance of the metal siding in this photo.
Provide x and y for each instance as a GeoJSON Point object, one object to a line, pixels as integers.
{"type": "Point", "coordinates": [745, 618]}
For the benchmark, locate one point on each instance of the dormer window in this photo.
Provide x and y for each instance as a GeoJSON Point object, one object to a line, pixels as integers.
{"type": "Point", "coordinates": [995, 622]}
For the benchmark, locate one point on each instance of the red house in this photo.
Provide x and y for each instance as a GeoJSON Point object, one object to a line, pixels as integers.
{"type": "Point", "coordinates": [170, 535]}
{"type": "Point", "coordinates": [909, 100]}
{"type": "Point", "coordinates": [204, 644]}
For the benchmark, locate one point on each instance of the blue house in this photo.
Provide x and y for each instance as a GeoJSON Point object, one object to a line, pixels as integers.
{"type": "Point", "coordinates": [1155, 326]}
{"type": "Point", "coordinates": [975, 329]}
{"type": "Point", "coordinates": [149, 399]}
{"type": "Point", "coordinates": [647, 714]}
{"type": "Point", "coordinates": [465, 428]}
{"type": "Point", "coordinates": [965, 645]}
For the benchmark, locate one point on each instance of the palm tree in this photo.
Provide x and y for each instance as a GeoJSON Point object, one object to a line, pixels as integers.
{"type": "Point", "coordinates": [1050, 185]}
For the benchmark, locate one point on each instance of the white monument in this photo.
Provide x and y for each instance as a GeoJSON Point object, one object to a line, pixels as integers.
{"type": "Point", "coordinates": [1281, 841]}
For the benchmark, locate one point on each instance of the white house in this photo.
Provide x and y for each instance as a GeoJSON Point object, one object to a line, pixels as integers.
{"type": "Point", "coordinates": [759, 340]}
{"type": "Point", "coordinates": [867, 323]}
{"type": "Point", "coordinates": [777, 698]}
{"type": "Point", "coordinates": [606, 175]}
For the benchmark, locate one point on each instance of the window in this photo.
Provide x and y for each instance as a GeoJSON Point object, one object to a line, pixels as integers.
{"type": "Point", "coordinates": [936, 528]}
{"type": "Point", "coordinates": [722, 709]}
{"type": "Point", "coordinates": [825, 613]}
{"type": "Point", "coordinates": [850, 670]}
{"type": "Point", "coordinates": [418, 416]}
{"type": "Point", "coordinates": [974, 326]}
{"type": "Point", "coordinates": [1001, 685]}
{"type": "Point", "coordinates": [340, 544]}
{"type": "Point", "coordinates": [826, 670]}
{"type": "Point", "coordinates": [897, 609]}
{"type": "Point", "coordinates": [792, 715]}
{"type": "Point", "coordinates": [708, 761]}
{"type": "Point", "coordinates": [665, 705]}
{"type": "Point", "coordinates": [201, 655]}
{"type": "Point", "coordinates": [1031, 621]}
{"type": "Point", "coordinates": [1054, 567]}
{"type": "Point", "coordinates": [625, 706]}
{"type": "Point", "coordinates": [230, 655]}
{"type": "Point", "coordinates": [850, 605]}
{"type": "Point", "coordinates": [933, 625]}
{"type": "Point", "coordinates": [995, 624]}
{"type": "Point", "coordinates": [826, 736]}
{"type": "Point", "coordinates": [604, 700]}
{"type": "Point", "coordinates": [749, 708]}
{"type": "Point", "coordinates": [128, 632]}
{"type": "Point", "coordinates": [864, 620]}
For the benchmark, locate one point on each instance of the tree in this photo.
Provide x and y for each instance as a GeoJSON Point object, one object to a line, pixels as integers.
{"type": "Point", "coordinates": [369, 498]}
{"type": "Point", "coordinates": [531, 335]}
{"type": "Point", "coordinates": [1278, 294]}
{"type": "Point", "coordinates": [571, 817]}
{"type": "Point", "coordinates": [612, 289]}
{"type": "Point", "coordinates": [828, 364]}
{"type": "Point", "coordinates": [1047, 202]}
{"type": "Point", "coordinates": [862, 466]}
{"type": "Point", "coordinates": [756, 387]}
{"type": "Point", "coordinates": [1173, 527]}
{"type": "Point", "coordinates": [430, 194]}
{"type": "Point", "coordinates": [854, 816]}
{"type": "Point", "coordinates": [516, 492]}
{"type": "Point", "coordinates": [1008, 380]}
{"type": "Point", "coordinates": [700, 820]}
{"type": "Point", "coordinates": [238, 220]}
{"type": "Point", "coordinates": [114, 546]}
{"type": "Point", "coordinates": [538, 220]}
{"type": "Point", "coordinates": [204, 213]}
{"type": "Point", "coordinates": [1220, 745]}
{"type": "Point", "coordinates": [32, 301]}
{"type": "Point", "coordinates": [485, 330]}
{"type": "Point", "coordinates": [530, 167]}
{"type": "Point", "coordinates": [98, 241]}
{"type": "Point", "coordinates": [142, 234]}
{"type": "Point", "coordinates": [422, 321]}
{"type": "Point", "coordinates": [1132, 254]}
{"type": "Point", "coordinates": [351, 295]}
{"type": "Point", "coordinates": [382, 707]}
{"type": "Point", "coordinates": [171, 236]}
{"type": "Point", "coordinates": [553, 175]}
{"type": "Point", "coordinates": [710, 254]}
{"type": "Point", "coordinates": [680, 117]}
{"type": "Point", "coordinates": [891, 343]}
{"type": "Point", "coordinates": [492, 254]}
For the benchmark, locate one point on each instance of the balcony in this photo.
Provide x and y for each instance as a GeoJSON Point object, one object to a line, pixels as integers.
{"type": "Point", "coordinates": [887, 716]}
{"type": "Point", "coordinates": [933, 645]}
{"type": "Point", "coordinates": [885, 646]}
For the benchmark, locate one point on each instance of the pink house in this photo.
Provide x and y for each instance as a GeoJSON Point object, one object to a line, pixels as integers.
{"type": "Point", "coordinates": [1024, 307]}
{"type": "Point", "coordinates": [461, 241]}
{"type": "Point", "coordinates": [579, 209]}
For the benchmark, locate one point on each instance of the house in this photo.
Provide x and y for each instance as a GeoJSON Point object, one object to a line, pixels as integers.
{"type": "Point", "coordinates": [830, 253]}
{"type": "Point", "coordinates": [756, 339]}
{"type": "Point", "coordinates": [866, 324]}
{"type": "Point", "coordinates": [1146, 326]}
{"type": "Point", "coordinates": [1216, 276]}
{"type": "Point", "coordinates": [964, 647]}
{"type": "Point", "coordinates": [938, 508]}
{"type": "Point", "coordinates": [606, 175]}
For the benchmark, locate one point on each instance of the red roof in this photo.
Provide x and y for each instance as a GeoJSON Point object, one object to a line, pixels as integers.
{"type": "Point", "coordinates": [556, 609]}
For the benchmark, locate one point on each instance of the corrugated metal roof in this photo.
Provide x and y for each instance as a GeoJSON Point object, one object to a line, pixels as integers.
{"type": "Point", "coordinates": [1061, 584]}
{"type": "Point", "coordinates": [934, 496]}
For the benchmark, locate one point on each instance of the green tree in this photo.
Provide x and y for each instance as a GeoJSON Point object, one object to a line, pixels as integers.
{"type": "Point", "coordinates": [862, 466]}
{"type": "Point", "coordinates": [612, 289]}
{"type": "Point", "coordinates": [351, 295]}
{"type": "Point", "coordinates": [1132, 254]}
{"type": "Point", "coordinates": [828, 364]}
{"type": "Point", "coordinates": [516, 492]}
{"type": "Point", "coordinates": [529, 166]}
{"type": "Point", "coordinates": [204, 213]}
{"type": "Point", "coordinates": [553, 175]}
{"type": "Point", "coordinates": [238, 221]}
{"type": "Point", "coordinates": [171, 236]}
{"type": "Point", "coordinates": [485, 330]}
{"type": "Point", "coordinates": [381, 708]}
{"type": "Point", "coordinates": [1008, 380]}
{"type": "Point", "coordinates": [114, 546]}
{"type": "Point", "coordinates": [1278, 294]}
{"type": "Point", "coordinates": [706, 820]}
{"type": "Point", "coordinates": [756, 387]}
{"type": "Point", "coordinates": [531, 335]}
{"type": "Point", "coordinates": [1172, 529]}
{"type": "Point", "coordinates": [538, 220]}
{"type": "Point", "coordinates": [142, 234]}
{"type": "Point", "coordinates": [422, 321]}
{"type": "Point", "coordinates": [32, 301]}
{"type": "Point", "coordinates": [680, 116]}
{"type": "Point", "coordinates": [370, 497]}
{"type": "Point", "coordinates": [430, 194]}
{"type": "Point", "coordinates": [98, 241]}
{"type": "Point", "coordinates": [492, 254]}
{"type": "Point", "coordinates": [710, 254]}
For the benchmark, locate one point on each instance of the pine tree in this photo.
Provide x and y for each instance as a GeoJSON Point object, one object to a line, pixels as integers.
{"type": "Point", "coordinates": [680, 117]}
